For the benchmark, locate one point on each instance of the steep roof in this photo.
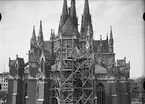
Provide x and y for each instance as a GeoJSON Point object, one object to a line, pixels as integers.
{"type": "Point", "coordinates": [69, 28]}
{"type": "Point", "coordinates": [96, 44]}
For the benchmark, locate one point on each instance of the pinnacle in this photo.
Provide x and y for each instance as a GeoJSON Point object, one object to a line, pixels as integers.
{"type": "Point", "coordinates": [111, 35]}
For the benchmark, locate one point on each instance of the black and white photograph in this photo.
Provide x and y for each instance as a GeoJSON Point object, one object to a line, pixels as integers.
{"type": "Point", "coordinates": [72, 52]}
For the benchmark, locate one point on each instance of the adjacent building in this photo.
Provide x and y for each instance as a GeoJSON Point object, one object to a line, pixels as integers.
{"type": "Point", "coordinates": [4, 81]}
{"type": "Point", "coordinates": [137, 91]}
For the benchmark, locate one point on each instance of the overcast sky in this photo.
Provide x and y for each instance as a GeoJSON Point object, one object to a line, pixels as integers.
{"type": "Point", "coordinates": [125, 16]}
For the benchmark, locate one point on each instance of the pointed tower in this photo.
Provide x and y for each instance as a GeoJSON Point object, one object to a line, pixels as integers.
{"type": "Point", "coordinates": [107, 37]}
{"type": "Point", "coordinates": [73, 9]}
{"type": "Point", "coordinates": [111, 41]}
{"type": "Point", "coordinates": [72, 13]}
{"type": "Point", "coordinates": [64, 15]}
{"type": "Point", "coordinates": [52, 45]}
{"type": "Point", "coordinates": [90, 37]}
{"type": "Point", "coordinates": [86, 12]}
{"type": "Point", "coordinates": [101, 45]}
{"type": "Point", "coordinates": [86, 19]}
{"type": "Point", "coordinates": [33, 43]}
{"type": "Point", "coordinates": [40, 37]}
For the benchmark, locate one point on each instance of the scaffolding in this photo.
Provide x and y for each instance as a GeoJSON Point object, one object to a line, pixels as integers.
{"type": "Point", "coordinates": [74, 78]}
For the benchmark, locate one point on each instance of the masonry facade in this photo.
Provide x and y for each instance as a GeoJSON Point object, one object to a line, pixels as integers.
{"type": "Point", "coordinates": [71, 67]}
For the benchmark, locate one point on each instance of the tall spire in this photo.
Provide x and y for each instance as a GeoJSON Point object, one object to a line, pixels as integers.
{"type": "Point", "coordinates": [101, 45]}
{"type": "Point", "coordinates": [111, 35]}
{"type": "Point", "coordinates": [40, 36]}
{"type": "Point", "coordinates": [64, 10]}
{"type": "Point", "coordinates": [111, 41]}
{"type": "Point", "coordinates": [72, 14]}
{"type": "Point", "coordinates": [86, 12]}
{"type": "Point", "coordinates": [101, 41]}
{"type": "Point", "coordinates": [33, 38]}
{"type": "Point", "coordinates": [64, 15]}
{"type": "Point", "coordinates": [52, 45]}
{"type": "Point", "coordinates": [107, 37]}
{"type": "Point", "coordinates": [86, 18]}
{"type": "Point", "coordinates": [73, 8]}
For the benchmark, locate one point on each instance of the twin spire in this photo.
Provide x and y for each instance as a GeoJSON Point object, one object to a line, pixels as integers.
{"type": "Point", "coordinates": [66, 12]}
{"type": "Point", "coordinates": [40, 36]}
{"type": "Point", "coordinates": [34, 41]}
{"type": "Point", "coordinates": [71, 11]}
{"type": "Point", "coordinates": [110, 42]}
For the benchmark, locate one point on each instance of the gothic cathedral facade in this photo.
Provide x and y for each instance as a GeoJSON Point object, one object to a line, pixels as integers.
{"type": "Point", "coordinates": [71, 67]}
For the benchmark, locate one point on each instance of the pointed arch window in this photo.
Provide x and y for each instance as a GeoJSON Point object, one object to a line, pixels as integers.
{"type": "Point", "coordinates": [100, 93]}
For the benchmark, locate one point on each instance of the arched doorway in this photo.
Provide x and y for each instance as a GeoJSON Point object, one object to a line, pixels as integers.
{"type": "Point", "coordinates": [100, 93]}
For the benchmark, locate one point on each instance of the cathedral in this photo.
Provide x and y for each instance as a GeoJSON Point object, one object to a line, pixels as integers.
{"type": "Point", "coordinates": [71, 67]}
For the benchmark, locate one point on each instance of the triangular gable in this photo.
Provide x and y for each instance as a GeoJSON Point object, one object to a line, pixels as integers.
{"type": "Point", "coordinates": [69, 28]}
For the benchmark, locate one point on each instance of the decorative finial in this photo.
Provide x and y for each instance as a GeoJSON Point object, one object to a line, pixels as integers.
{"type": "Point", "coordinates": [17, 56]}
{"type": "Point", "coordinates": [40, 24]}
{"type": "Point", "coordinates": [107, 36]}
{"type": "Point", "coordinates": [33, 31]}
{"type": "Point", "coordinates": [33, 27]}
{"type": "Point", "coordinates": [100, 37]}
{"type": "Point", "coordinates": [125, 58]}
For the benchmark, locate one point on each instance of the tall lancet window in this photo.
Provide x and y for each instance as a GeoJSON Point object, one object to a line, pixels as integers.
{"type": "Point", "coordinates": [100, 93]}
